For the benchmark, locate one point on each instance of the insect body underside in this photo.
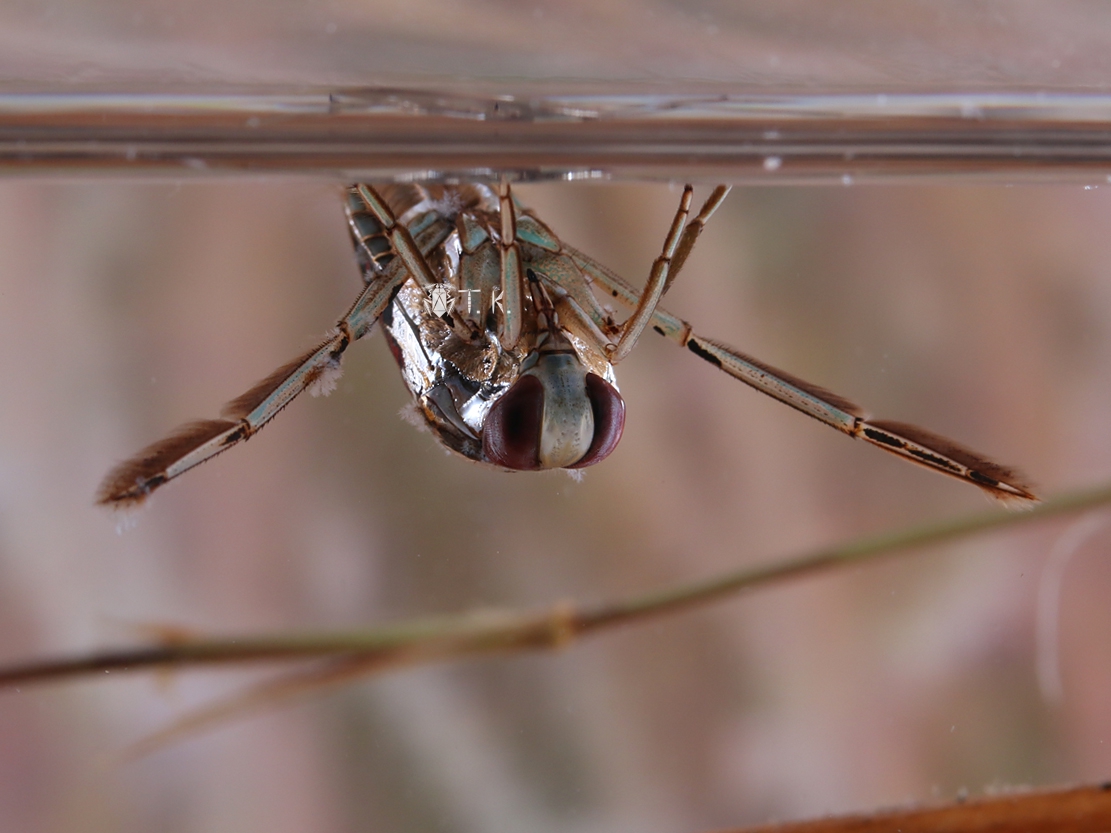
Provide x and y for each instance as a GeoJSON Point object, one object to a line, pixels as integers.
{"type": "Point", "coordinates": [509, 355]}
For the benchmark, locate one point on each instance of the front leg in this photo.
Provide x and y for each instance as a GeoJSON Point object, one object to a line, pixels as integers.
{"type": "Point", "coordinates": [131, 482]}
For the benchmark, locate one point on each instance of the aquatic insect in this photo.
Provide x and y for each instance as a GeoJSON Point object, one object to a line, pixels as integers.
{"type": "Point", "coordinates": [501, 337]}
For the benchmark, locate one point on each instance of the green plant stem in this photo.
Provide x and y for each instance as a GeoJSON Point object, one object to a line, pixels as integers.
{"type": "Point", "coordinates": [484, 632]}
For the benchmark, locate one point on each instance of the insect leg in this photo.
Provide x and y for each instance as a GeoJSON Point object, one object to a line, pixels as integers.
{"type": "Point", "coordinates": [654, 289]}
{"type": "Point", "coordinates": [693, 229]}
{"type": "Point", "coordinates": [129, 483]}
{"type": "Point", "coordinates": [512, 277]}
{"type": "Point", "coordinates": [372, 245]}
{"type": "Point", "coordinates": [567, 268]}
{"type": "Point", "coordinates": [398, 235]}
{"type": "Point", "coordinates": [907, 441]}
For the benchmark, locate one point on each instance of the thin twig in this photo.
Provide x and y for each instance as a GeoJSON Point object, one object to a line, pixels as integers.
{"type": "Point", "coordinates": [1072, 810]}
{"type": "Point", "coordinates": [486, 632]}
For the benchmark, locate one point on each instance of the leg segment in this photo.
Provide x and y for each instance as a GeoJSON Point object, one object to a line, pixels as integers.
{"type": "Point", "coordinates": [129, 483]}
{"type": "Point", "coordinates": [512, 278]}
{"type": "Point", "coordinates": [908, 441]}
{"type": "Point", "coordinates": [399, 237]}
{"type": "Point", "coordinates": [654, 289]}
{"type": "Point", "coordinates": [693, 229]}
{"type": "Point", "coordinates": [565, 267]}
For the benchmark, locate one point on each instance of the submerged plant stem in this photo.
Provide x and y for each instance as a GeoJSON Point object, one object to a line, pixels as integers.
{"type": "Point", "coordinates": [485, 632]}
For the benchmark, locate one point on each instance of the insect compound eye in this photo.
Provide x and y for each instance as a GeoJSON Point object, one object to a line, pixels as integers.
{"type": "Point", "coordinates": [609, 420]}
{"type": "Point", "coordinates": [555, 416]}
{"type": "Point", "coordinates": [511, 433]}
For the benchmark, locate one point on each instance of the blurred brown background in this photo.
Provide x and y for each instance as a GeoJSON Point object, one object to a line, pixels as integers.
{"type": "Point", "coordinates": [981, 312]}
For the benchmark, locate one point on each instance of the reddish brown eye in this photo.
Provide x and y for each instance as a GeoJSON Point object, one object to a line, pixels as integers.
{"type": "Point", "coordinates": [511, 433]}
{"type": "Point", "coordinates": [609, 420]}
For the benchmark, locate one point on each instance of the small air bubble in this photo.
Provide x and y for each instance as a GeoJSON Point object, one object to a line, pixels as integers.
{"type": "Point", "coordinates": [572, 176]}
{"type": "Point", "coordinates": [772, 163]}
{"type": "Point", "coordinates": [846, 179]}
{"type": "Point", "coordinates": [331, 28]}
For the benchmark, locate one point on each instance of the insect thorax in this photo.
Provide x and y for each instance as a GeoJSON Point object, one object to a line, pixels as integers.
{"type": "Point", "coordinates": [445, 337]}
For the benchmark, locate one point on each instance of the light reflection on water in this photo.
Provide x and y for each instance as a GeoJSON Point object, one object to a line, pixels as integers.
{"type": "Point", "coordinates": [541, 132]}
